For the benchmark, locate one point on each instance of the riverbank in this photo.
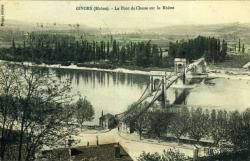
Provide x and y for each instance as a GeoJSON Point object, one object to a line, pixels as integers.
{"type": "Point", "coordinates": [131, 70]}
{"type": "Point", "coordinates": [229, 73]}
{"type": "Point", "coordinates": [214, 71]}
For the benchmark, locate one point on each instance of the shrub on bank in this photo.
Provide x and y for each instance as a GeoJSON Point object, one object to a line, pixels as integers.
{"type": "Point", "coordinates": [214, 126]}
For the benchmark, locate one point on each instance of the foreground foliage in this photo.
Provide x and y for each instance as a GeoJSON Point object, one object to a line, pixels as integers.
{"type": "Point", "coordinates": [215, 127]}
{"type": "Point", "coordinates": [169, 155]}
{"type": "Point", "coordinates": [32, 111]}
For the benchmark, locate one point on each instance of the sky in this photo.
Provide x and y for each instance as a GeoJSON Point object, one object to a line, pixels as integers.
{"type": "Point", "coordinates": [184, 12]}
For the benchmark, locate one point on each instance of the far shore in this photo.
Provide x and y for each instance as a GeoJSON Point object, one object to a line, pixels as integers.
{"type": "Point", "coordinates": [147, 71]}
{"type": "Point", "coordinates": [213, 71]}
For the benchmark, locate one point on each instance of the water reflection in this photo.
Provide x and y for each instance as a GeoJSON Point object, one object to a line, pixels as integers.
{"type": "Point", "coordinates": [111, 92]}
{"type": "Point", "coordinates": [102, 78]}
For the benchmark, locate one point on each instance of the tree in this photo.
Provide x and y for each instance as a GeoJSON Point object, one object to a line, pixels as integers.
{"type": "Point", "coordinates": [107, 52]}
{"type": "Point", "coordinates": [246, 128]}
{"type": "Point", "coordinates": [147, 53]}
{"type": "Point", "coordinates": [218, 124]}
{"type": "Point", "coordinates": [198, 124]}
{"type": "Point", "coordinates": [114, 50]}
{"type": "Point", "coordinates": [122, 55]}
{"type": "Point", "coordinates": [161, 56]}
{"type": "Point", "coordinates": [156, 57]}
{"type": "Point", "coordinates": [236, 132]}
{"type": "Point", "coordinates": [243, 48]}
{"type": "Point", "coordinates": [179, 125]}
{"type": "Point", "coordinates": [137, 115]}
{"type": "Point", "coordinates": [223, 50]}
{"type": "Point", "coordinates": [239, 46]}
{"type": "Point", "coordinates": [141, 123]}
{"type": "Point", "coordinates": [84, 111]}
{"type": "Point", "coordinates": [159, 121]}
{"type": "Point", "coordinates": [13, 47]}
{"type": "Point", "coordinates": [8, 112]}
{"type": "Point", "coordinates": [39, 101]}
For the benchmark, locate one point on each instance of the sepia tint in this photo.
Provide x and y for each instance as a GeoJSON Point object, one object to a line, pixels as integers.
{"type": "Point", "coordinates": [124, 80]}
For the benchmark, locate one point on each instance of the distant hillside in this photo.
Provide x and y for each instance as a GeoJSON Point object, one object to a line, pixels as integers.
{"type": "Point", "coordinates": [26, 26]}
{"type": "Point", "coordinates": [231, 32]}
{"type": "Point", "coordinates": [217, 29]}
{"type": "Point", "coordinates": [202, 29]}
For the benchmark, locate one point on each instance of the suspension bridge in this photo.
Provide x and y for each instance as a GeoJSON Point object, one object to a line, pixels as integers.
{"type": "Point", "coordinates": [157, 88]}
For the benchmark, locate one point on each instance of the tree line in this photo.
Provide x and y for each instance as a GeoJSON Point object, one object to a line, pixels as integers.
{"type": "Point", "coordinates": [241, 47]}
{"type": "Point", "coordinates": [219, 126]}
{"type": "Point", "coordinates": [36, 110]}
{"type": "Point", "coordinates": [59, 48]}
{"type": "Point", "coordinates": [54, 48]}
{"type": "Point", "coordinates": [214, 50]}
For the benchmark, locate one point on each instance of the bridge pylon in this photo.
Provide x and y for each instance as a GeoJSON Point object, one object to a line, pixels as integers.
{"type": "Point", "coordinates": [158, 82]}
{"type": "Point", "coordinates": [180, 65]}
{"type": "Point", "coordinates": [184, 76]}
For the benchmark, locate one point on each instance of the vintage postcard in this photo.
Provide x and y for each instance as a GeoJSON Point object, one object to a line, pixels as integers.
{"type": "Point", "coordinates": [124, 80]}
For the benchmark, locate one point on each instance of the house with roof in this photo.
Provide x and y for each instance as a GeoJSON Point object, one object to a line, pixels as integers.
{"type": "Point", "coordinates": [107, 121]}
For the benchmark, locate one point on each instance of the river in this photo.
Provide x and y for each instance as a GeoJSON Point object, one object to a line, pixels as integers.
{"type": "Point", "coordinates": [113, 92]}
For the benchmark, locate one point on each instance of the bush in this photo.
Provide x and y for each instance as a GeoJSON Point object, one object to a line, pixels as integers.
{"type": "Point", "coordinates": [169, 155]}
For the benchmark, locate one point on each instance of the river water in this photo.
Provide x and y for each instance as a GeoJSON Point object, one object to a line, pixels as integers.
{"type": "Point", "coordinates": [113, 92]}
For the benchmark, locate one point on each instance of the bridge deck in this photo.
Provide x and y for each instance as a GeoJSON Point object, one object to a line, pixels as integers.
{"type": "Point", "coordinates": [197, 62]}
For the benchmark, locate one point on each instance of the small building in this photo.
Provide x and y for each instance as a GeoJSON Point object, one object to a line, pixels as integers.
{"type": "Point", "coordinates": [107, 121]}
